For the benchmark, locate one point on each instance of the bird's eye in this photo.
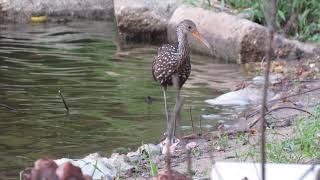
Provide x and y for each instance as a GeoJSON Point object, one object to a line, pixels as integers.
{"type": "Point", "coordinates": [189, 27]}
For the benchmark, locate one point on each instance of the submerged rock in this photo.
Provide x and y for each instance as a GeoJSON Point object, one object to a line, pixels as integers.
{"type": "Point", "coordinates": [241, 97]}
{"type": "Point", "coordinates": [273, 79]}
{"type": "Point", "coordinates": [250, 95]}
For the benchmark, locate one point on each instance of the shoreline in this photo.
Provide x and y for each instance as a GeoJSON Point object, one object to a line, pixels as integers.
{"type": "Point", "coordinates": [236, 142]}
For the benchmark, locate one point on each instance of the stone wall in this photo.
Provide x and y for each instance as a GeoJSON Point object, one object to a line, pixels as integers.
{"type": "Point", "coordinates": [143, 20]}
{"type": "Point", "coordinates": [21, 10]}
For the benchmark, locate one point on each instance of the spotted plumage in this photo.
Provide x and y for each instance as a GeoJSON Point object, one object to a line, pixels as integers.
{"type": "Point", "coordinates": [168, 63]}
{"type": "Point", "coordinates": [173, 60]}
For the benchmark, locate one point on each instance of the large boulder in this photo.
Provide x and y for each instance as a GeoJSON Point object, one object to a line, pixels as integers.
{"type": "Point", "coordinates": [143, 20]}
{"type": "Point", "coordinates": [233, 38]}
{"type": "Point", "coordinates": [21, 10]}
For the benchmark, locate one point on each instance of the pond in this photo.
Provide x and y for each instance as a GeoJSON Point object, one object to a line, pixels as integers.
{"type": "Point", "coordinates": [107, 92]}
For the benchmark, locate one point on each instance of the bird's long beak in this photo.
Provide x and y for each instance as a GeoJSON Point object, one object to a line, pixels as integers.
{"type": "Point", "coordinates": [198, 36]}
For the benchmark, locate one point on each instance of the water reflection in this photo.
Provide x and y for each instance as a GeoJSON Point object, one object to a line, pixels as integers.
{"type": "Point", "coordinates": [106, 92]}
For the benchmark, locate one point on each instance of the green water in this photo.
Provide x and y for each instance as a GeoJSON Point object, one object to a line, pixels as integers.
{"type": "Point", "coordinates": [106, 93]}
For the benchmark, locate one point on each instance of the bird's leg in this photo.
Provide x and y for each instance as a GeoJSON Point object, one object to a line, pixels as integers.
{"type": "Point", "coordinates": [177, 109]}
{"type": "Point", "coordinates": [164, 89]}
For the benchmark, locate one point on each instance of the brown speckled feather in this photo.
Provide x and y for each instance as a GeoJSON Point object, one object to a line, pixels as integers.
{"type": "Point", "coordinates": [168, 63]}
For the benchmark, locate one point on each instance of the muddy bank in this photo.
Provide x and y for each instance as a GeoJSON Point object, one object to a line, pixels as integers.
{"type": "Point", "coordinates": [231, 142]}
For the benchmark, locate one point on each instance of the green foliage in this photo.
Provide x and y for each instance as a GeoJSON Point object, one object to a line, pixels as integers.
{"type": "Point", "coordinates": [200, 3]}
{"type": "Point", "coordinates": [222, 143]}
{"type": "Point", "coordinates": [153, 166]}
{"type": "Point", "coordinates": [302, 146]}
{"type": "Point", "coordinates": [196, 152]}
{"type": "Point", "coordinates": [191, 2]}
{"type": "Point", "coordinates": [153, 169]}
{"type": "Point", "coordinates": [306, 12]}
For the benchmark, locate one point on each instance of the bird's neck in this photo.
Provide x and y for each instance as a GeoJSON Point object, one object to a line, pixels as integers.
{"type": "Point", "coordinates": [183, 46]}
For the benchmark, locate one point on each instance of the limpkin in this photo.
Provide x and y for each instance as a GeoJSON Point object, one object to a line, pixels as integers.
{"type": "Point", "coordinates": [172, 65]}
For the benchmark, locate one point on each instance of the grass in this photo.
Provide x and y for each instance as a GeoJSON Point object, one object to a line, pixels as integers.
{"type": "Point", "coordinates": [303, 146]}
{"type": "Point", "coordinates": [222, 143]}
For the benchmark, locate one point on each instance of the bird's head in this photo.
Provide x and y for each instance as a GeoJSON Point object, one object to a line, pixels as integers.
{"type": "Point", "coordinates": [188, 27]}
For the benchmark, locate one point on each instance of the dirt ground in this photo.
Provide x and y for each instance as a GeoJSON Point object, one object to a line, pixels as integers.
{"type": "Point", "coordinates": [240, 142]}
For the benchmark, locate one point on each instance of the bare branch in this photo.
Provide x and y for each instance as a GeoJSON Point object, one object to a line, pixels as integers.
{"type": "Point", "coordinates": [271, 13]}
{"type": "Point", "coordinates": [190, 112]}
{"type": "Point", "coordinates": [8, 107]}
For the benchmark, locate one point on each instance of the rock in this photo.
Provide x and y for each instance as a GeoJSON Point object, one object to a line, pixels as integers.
{"type": "Point", "coordinates": [143, 20]}
{"type": "Point", "coordinates": [175, 175]}
{"type": "Point", "coordinates": [133, 156]}
{"type": "Point", "coordinates": [191, 145]}
{"type": "Point", "coordinates": [48, 169]}
{"type": "Point", "coordinates": [273, 79]}
{"type": "Point", "coordinates": [242, 97]}
{"type": "Point", "coordinates": [45, 163]}
{"type": "Point", "coordinates": [68, 171]}
{"type": "Point", "coordinates": [93, 164]}
{"type": "Point", "coordinates": [43, 169]}
{"type": "Point", "coordinates": [120, 161]}
{"type": "Point", "coordinates": [233, 38]}
{"type": "Point", "coordinates": [21, 10]}
{"type": "Point", "coordinates": [150, 149]}
{"type": "Point", "coordinates": [212, 117]}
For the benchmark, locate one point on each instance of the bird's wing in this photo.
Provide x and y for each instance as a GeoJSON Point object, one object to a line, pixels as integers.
{"type": "Point", "coordinates": [165, 63]}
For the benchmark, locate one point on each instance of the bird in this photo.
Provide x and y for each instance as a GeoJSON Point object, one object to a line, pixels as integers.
{"type": "Point", "coordinates": [172, 66]}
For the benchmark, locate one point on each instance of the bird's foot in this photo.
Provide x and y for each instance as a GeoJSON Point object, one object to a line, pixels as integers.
{"type": "Point", "coordinates": [170, 145]}
{"type": "Point", "coordinates": [172, 141]}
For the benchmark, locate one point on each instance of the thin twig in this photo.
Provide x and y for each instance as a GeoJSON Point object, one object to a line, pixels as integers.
{"type": "Point", "coordinates": [296, 94]}
{"type": "Point", "coordinates": [200, 126]}
{"type": "Point", "coordinates": [279, 108]}
{"type": "Point", "coordinates": [269, 51]}
{"type": "Point", "coordinates": [190, 112]}
{"type": "Point", "coordinates": [8, 107]}
{"type": "Point", "coordinates": [189, 161]}
{"type": "Point", "coordinates": [282, 98]}
{"type": "Point", "coordinates": [290, 23]}
{"type": "Point", "coordinates": [64, 101]}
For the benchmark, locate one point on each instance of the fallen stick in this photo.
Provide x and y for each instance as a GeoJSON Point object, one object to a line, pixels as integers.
{"type": "Point", "coordinates": [278, 108]}
{"type": "Point", "coordinates": [63, 101]}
